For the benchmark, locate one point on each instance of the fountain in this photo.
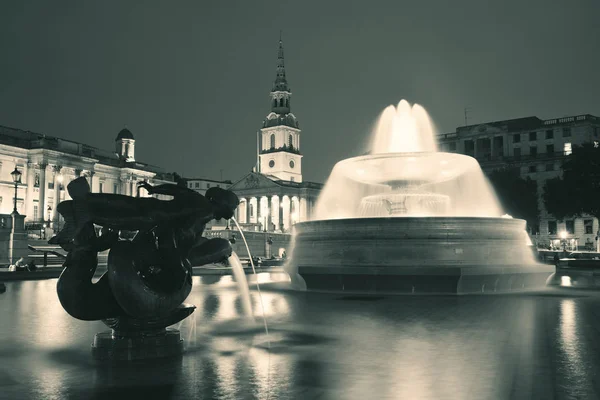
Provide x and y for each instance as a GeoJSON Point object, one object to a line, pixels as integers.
{"type": "Point", "coordinates": [407, 218]}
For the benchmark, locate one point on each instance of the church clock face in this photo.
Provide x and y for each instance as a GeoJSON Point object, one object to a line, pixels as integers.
{"type": "Point", "coordinates": [292, 164]}
{"type": "Point", "coordinates": [271, 164]}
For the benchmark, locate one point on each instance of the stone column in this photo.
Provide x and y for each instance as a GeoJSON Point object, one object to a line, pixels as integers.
{"type": "Point", "coordinates": [42, 193]}
{"type": "Point", "coordinates": [91, 174]}
{"type": "Point", "coordinates": [255, 210]}
{"type": "Point", "coordinates": [302, 215]}
{"type": "Point", "coordinates": [247, 213]}
{"type": "Point", "coordinates": [29, 195]}
{"type": "Point", "coordinates": [281, 226]}
{"type": "Point", "coordinates": [56, 169]}
{"type": "Point", "coordinates": [270, 218]}
{"type": "Point", "coordinates": [123, 184]}
{"type": "Point", "coordinates": [132, 186]}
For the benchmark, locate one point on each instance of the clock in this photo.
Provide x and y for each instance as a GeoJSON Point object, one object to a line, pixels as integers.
{"type": "Point", "coordinates": [271, 164]}
{"type": "Point", "coordinates": [292, 164]}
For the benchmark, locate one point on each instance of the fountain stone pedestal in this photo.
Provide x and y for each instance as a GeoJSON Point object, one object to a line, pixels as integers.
{"type": "Point", "coordinates": [416, 255]}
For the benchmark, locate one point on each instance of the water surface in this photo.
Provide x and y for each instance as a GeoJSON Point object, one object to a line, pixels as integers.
{"type": "Point", "coordinates": [323, 346]}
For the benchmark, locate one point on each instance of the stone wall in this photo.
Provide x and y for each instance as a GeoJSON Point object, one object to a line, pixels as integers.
{"type": "Point", "coordinates": [258, 242]}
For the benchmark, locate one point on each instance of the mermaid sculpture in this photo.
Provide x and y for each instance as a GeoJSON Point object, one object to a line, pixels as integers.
{"type": "Point", "coordinates": [149, 276]}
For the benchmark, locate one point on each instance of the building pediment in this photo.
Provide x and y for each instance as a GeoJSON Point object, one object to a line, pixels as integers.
{"type": "Point", "coordinates": [253, 181]}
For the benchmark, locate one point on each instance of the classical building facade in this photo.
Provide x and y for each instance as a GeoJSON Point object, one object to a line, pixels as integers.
{"type": "Point", "coordinates": [274, 196]}
{"type": "Point", "coordinates": [537, 147]}
{"type": "Point", "coordinates": [201, 185]}
{"type": "Point", "coordinates": [48, 164]}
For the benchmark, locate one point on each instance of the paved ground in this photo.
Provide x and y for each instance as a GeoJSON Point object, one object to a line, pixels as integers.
{"type": "Point", "coordinates": [541, 345]}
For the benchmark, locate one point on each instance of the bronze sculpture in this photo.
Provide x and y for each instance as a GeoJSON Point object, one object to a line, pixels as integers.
{"type": "Point", "coordinates": [149, 276]}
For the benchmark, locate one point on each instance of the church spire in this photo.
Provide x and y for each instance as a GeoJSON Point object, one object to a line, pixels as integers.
{"type": "Point", "coordinates": [280, 84]}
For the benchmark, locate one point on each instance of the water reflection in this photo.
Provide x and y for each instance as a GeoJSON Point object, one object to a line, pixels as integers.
{"type": "Point", "coordinates": [576, 374]}
{"type": "Point", "coordinates": [418, 347]}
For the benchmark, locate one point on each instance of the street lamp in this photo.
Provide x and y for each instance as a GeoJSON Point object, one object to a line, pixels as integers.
{"type": "Point", "coordinates": [16, 177]}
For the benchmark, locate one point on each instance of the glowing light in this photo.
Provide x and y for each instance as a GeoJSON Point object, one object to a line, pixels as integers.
{"type": "Point", "coordinates": [507, 216]}
{"type": "Point", "coordinates": [565, 281]}
{"type": "Point", "coordinates": [563, 235]}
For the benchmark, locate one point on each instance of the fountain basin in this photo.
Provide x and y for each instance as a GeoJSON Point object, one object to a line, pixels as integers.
{"type": "Point", "coordinates": [416, 255]}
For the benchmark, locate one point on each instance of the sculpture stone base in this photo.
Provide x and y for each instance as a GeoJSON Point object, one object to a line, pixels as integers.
{"type": "Point", "coordinates": [112, 346]}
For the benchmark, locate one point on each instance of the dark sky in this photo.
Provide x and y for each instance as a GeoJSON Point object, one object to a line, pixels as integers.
{"type": "Point", "coordinates": [191, 79]}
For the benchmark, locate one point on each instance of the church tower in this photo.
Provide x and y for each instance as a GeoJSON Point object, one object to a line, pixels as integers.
{"type": "Point", "coordinates": [279, 147]}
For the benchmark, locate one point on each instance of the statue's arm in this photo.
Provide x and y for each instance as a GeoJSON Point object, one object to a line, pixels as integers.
{"type": "Point", "coordinates": [165, 189]}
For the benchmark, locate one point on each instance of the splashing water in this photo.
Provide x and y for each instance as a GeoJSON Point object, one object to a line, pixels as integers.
{"type": "Point", "coordinates": [262, 306]}
{"type": "Point", "coordinates": [404, 175]}
{"type": "Point", "coordinates": [240, 277]}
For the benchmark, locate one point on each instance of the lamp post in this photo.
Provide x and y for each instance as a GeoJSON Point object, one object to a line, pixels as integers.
{"type": "Point", "coordinates": [16, 177]}
{"type": "Point", "coordinates": [49, 223]}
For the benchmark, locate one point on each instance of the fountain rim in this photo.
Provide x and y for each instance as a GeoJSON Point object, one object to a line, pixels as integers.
{"type": "Point", "coordinates": [403, 154]}
{"type": "Point", "coordinates": [346, 164]}
{"type": "Point", "coordinates": [441, 219]}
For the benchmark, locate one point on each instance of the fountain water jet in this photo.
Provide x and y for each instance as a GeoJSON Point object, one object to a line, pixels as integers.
{"type": "Point", "coordinates": [407, 218]}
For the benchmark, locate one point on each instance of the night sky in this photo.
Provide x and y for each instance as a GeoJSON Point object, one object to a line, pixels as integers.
{"type": "Point", "coordinates": [191, 79]}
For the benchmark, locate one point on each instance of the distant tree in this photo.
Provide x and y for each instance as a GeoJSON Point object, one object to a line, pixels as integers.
{"type": "Point", "coordinates": [517, 195]}
{"type": "Point", "coordinates": [577, 192]}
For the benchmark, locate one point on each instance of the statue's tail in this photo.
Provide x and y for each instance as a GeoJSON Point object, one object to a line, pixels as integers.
{"type": "Point", "coordinates": [75, 212]}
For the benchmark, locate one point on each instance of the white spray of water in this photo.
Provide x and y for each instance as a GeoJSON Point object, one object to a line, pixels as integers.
{"type": "Point", "coordinates": [240, 278]}
{"type": "Point", "coordinates": [262, 306]}
{"type": "Point", "coordinates": [405, 171]}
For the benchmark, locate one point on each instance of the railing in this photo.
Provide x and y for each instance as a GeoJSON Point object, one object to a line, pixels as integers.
{"type": "Point", "coordinates": [575, 118]}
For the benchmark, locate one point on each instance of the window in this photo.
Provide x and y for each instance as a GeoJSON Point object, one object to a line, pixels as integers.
{"type": "Point", "coordinates": [251, 210]}
{"type": "Point", "coordinates": [549, 134]}
{"type": "Point", "coordinates": [50, 185]}
{"type": "Point", "coordinates": [208, 185]}
{"type": "Point", "coordinates": [589, 226]}
{"type": "Point", "coordinates": [552, 227]}
{"type": "Point", "coordinates": [101, 187]}
{"type": "Point", "coordinates": [116, 189]}
{"type": "Point", "coordinates": [35, 212]}
{"type": "Point", "coordinates": [568, 149]}
{"type": "Point", "coordinates": [197, 185]}
{"type": "Point", "coordinates": [566, 132]}
{"type": "Point", "coordinates": [272, 141]}
{"type": "Point", "coordinates": [570, 226]}
{"type": "Point", "coordinates": [550, 167]}
{"type": "Point", "coordinates": [452, 146]}
{"type": "Point", "coordinates": [517, 152]}
{"type": "Point", "coordinates": [532, 136]}
{"type": "Point", "coordinates": [532, 169]}
{"type": "Point", "coordinates": [533, 151]}
{"type": "Point", "coordinates": [517, 138]}
{"type": "Point", "coordinates": [549, 148]}
{"type": "Point", "coordinates": [291, 141]}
